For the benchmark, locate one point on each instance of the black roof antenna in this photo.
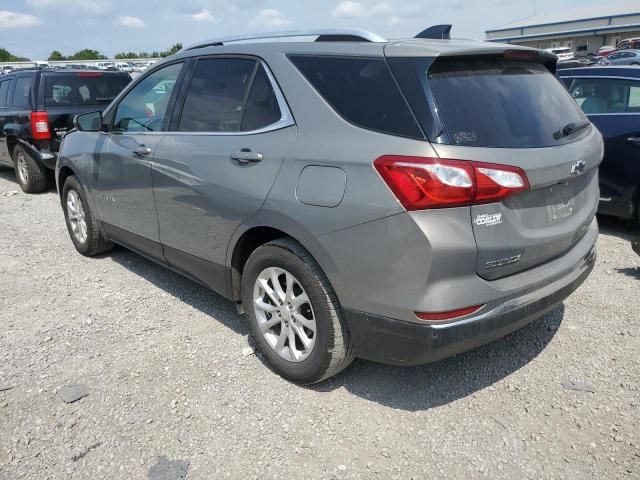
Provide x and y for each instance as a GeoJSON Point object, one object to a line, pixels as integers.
{"type": "Point", "coordinates": [437, 32]}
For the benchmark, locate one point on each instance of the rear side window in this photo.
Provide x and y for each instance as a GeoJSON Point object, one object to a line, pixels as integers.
{"type": "Point", "coordinates": [606, 95]}
{"type": "Point", "coordinates": [501, 103]}
{"type": "Point", "coordinates": [362, 91]}
{"type": "Point", "coordinates": [21, 92]}
{"type": "Point", "coordinates": [217, 95]}
{"type": "Point", "coordinates": [4, 90]}
{"type": "Point", "coordinates": [90, 88]}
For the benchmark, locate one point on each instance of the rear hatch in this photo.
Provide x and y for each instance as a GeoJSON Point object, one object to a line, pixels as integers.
{"type": "Point", "coordinates": [67, 94]}
{"type": "Point", "coordinates": [509, 109]}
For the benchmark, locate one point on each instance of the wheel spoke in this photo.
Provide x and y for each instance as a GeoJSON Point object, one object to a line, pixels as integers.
{"type": "Point", "coordinates": [269, 324]}
{"type": "Point", "coordinates": [300, 300]}
{"type": "Point", "coordinates": [275, 281]}
{"type": "Point", "coordinates": [284, 333]}
{"type": "Point", "coordinates": [295, 353]}
{"type": "Point", "coordinates": [264, 306]}
{"type": "Point", "coordinates": [306, 341]}
{"type": "Point", "coordinates": [310, 324]}
{"type": "Point", "coordinates": [269, 291]}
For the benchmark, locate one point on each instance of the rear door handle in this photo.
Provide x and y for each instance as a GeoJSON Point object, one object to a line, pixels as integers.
{"type": "Point", "coordinates": [247, 156]}
{"type": "Point", "coordinates": [142, 151]}
{"type": "Point", "coordinates": [634, 140]}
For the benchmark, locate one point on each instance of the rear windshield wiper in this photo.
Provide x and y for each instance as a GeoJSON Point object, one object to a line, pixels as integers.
{"type": "Point", "coordinates": [571, 128]}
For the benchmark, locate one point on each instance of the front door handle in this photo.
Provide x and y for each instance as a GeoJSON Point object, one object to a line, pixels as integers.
{"type": "Point", "coordinates": [245, 156]}
{"type": "Point", "coordinates": [634, 140]}
{"type": "Point", "coordinates": [142, 151]}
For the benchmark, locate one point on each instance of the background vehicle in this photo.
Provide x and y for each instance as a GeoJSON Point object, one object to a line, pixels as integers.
{"type": "Point", "coordinates": [624, 57]}
{"type": "Point", "coordinates": [391, 229]}
{"type": "Point", "coordinates": [7, 69]}
{"type": "Point", "coordinates": [37, 107]}
{"type": "Point", "coordinates": [606, 50]}
{"type": "Point", "coordinates": [629, 43]}
{"type": "Point", "coordinates": [562, 53]}
{"type": "Point", "coordinates": [106, 66]}
{"type": "Point", "coordinates": [610, 96]}
{"type": "Point", "coordinates": [124, 67]}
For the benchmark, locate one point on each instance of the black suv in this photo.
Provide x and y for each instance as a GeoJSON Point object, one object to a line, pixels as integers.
{"type": "Point", "coordinates": [37, 107]}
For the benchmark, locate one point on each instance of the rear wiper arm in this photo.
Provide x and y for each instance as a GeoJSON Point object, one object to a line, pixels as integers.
{"type": "Point", "coordinates": [571, 128]}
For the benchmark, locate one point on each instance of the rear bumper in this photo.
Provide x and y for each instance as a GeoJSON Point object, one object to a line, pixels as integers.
{"type": "Point", "coordinates": [42, 154]}
{"type": "Point", "coordinates": [399, 342]}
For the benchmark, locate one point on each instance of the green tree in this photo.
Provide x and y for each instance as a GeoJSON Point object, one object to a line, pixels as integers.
{"type": "Point", "coordinates": [6, 56]}
{"type": "Point", "coordinates": [174, 49]}
{"type": "Point", "coordinates": [87, 54]}
{"type": "Point", "coordinates": [127, 55]}
{"type": "Point", "coordinates": [56, 56]}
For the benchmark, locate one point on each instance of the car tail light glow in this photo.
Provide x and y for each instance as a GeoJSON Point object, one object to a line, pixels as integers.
{"type": "Point", "coordinates": [449, 315]}
{"type": "Point", "coordinates": [40, 126]}
{"type": "Point", "coordinates": [421, 183]}
{"type": "Point", "coordinates": [520, 54]}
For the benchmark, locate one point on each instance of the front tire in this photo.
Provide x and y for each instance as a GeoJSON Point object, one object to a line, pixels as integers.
{"type": "Point", "coordinates": [294, 314]}
{"type": "Point", "coordinates": [32, 176]}
{"type": "Point", "coordinates": [83, 227]}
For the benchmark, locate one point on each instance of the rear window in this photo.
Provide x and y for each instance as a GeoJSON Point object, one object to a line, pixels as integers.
{"type": "Point", "coordinates": [90, 88]}
{"type": "Point", "coordinates": [362, 91]}
{"type": "Point", "coordinates": [493, 102]}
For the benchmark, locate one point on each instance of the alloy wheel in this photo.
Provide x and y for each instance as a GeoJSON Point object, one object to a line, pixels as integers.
{"type": "Point", "coordinates": [76, 216]}
{"type": "Point", "coordinates": [23, 171]}
{"type": "Point", "coordinates": [284, 314]}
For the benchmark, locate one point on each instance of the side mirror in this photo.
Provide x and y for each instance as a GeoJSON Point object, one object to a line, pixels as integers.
{"type": "Point", "coordinates": [88, 122]}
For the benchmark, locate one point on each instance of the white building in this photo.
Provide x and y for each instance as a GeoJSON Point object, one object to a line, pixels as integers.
{"type": "Point", "coordinates": [583, 30]}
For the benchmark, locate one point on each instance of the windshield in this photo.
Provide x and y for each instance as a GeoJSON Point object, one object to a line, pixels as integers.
{"type": "Point", "coordinates": [91, 88]}
{"type": "Point", "coordinates": [493, 102]}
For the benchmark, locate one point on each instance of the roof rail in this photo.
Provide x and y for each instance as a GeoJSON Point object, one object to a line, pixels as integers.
{"type": "Point", "coordinates": [324, 35]}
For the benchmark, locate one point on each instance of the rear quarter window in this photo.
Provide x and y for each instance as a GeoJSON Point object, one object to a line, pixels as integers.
{"type": "Point", "coordinates": [361, 90]}
{"type": "Point", "coordinates": [21, 92]}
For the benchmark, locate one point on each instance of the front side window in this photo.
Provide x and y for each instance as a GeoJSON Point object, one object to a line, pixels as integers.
{"type": "Point", "coordinates": [21, 92]}
{"type": "Point", "coordinates": [144, 108]}
{"type": "Point", "coordinates": [215, 100]}
{"type": "Point", "coordinates": [606, 95]}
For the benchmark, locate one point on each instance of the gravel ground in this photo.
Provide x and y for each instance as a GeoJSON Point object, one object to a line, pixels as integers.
{"type": "Point", "coordinates": [168, 388]}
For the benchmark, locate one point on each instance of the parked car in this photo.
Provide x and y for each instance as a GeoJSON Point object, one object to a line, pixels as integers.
{"type": "Point", "coordinates": [7, 69]}
{"type": "Point", "coordinates": [606, 50]}
{"type": "Point", "coordinates": [37, 107]}
{"type": "Point", "coordinates": [124, 67]}
{"type": "Point", "coordinates": [610, 96]}
{"type": "Point", "coordinates": [562, 53]}
{"type": "Point", "coordinates": [575, 63]}
{"type": "Point", "coordinates": [106, 66]}
{"type": "Point", "coordinates": [345, 226]}
{"type": "Point", "coordinates": [629, 43]}
{"type": "Point", "coordinates": [624, 57]}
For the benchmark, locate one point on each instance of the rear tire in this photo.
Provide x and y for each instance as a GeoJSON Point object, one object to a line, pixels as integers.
{"type": "Point", "coordinates": [83, 227]}
{"type": "Point", "coordinates": [32, 176]}
{"type": "Point", "coordinates": [303, 303]}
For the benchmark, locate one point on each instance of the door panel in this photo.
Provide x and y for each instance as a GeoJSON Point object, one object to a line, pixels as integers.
{"type": "Point", "coordinates": [202, 194]}
{"type": "Point", "coordinates": [123, 184]}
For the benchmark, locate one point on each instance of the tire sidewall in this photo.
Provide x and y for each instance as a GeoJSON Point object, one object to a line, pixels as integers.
{"type": "Point", "coordinates": [72, 183]}
{"type": "Point", "coordinates": [316, 364]}
{"type": "Point", "coordinates": [27, 187]}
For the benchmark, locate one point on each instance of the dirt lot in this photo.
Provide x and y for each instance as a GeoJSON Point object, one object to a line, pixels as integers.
{"type": "Point", "coordinates": [170, 389]}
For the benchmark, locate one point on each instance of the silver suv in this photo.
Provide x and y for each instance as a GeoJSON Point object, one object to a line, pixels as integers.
{"type": "Point", "coordinates": [395, 201]}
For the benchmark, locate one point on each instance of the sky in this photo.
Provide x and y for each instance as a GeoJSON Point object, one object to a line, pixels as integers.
{"type": "Point", "coordinates": [33, 28]}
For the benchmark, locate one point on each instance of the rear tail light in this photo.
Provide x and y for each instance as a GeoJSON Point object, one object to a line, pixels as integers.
{"type": "Point", "coordinates": [420, 183]}
{"type": "Point", "coordinates": [90, 74]}
{"type": "Point", "coordinates": [520, 54]}
{"type": "Point", "coordinates": [449, 315]}
{"type": "Point", "coordinates": [40, 126]}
